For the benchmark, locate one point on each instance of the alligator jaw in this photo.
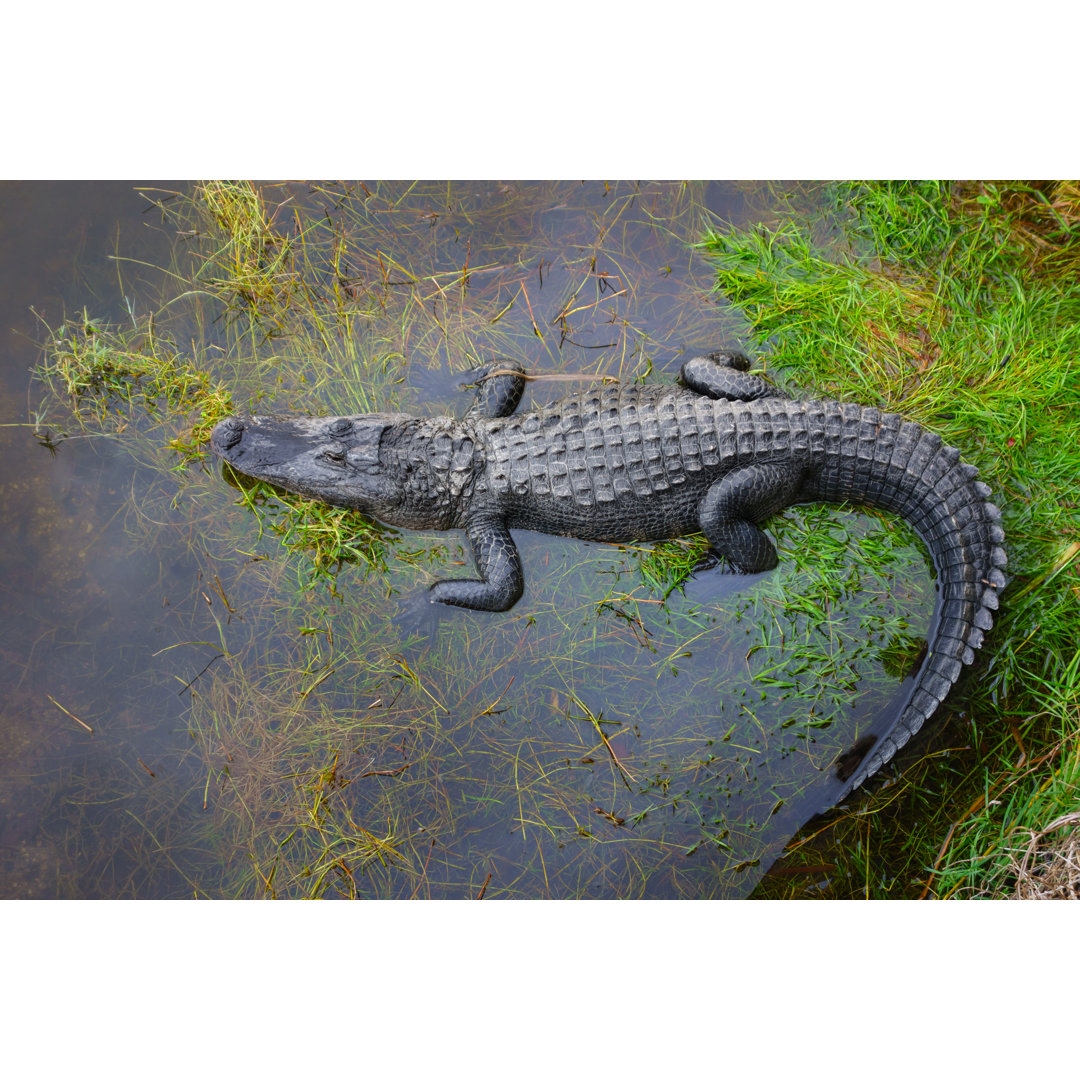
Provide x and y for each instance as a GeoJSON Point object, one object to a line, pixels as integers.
{"type": "Point", "coordinates": [334, 459]}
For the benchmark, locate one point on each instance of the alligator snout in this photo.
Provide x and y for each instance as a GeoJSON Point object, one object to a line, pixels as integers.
{"type": "Point", "coordinates": [226, 434]}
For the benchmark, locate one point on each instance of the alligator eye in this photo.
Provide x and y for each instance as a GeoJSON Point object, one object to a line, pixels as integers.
{"type": "Point", "coordinates": [340, 427]}
{"type": "Point", "coordinates": [336, 455]}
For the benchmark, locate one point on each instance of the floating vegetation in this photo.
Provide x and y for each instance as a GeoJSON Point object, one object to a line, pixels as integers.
{"type": "Point", "coordinates": [113, 377]}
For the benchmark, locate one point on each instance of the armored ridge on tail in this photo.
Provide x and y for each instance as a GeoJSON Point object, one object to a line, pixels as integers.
{"type": "Point", "coordinates": [719, 454]}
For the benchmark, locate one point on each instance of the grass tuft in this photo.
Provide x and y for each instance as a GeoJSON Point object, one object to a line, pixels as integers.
{"type": "Point", "coordinates": [958, 305]}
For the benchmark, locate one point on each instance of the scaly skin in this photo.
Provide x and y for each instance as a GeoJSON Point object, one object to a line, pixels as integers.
{"type": "Point", "coordinates": [719, 454]}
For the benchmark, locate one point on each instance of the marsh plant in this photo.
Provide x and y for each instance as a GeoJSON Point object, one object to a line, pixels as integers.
{"type": "Point", "coordinates": [629, 728]}
{"type": "Point", "coordinates": [958, 305]}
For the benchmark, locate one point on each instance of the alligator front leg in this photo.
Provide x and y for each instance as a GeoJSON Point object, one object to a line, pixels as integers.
{"type": "Point", "coordinates": [729, 513]}
{"type": "Point", "coordinates": [725, 375]}
{"type": "Point", "coordinates": [499, 386]}
{"type": "Point", "coordinates": [497, 560]}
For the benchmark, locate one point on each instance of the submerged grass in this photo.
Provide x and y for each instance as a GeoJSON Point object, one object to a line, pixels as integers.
{"type": "Point", "coordinates": [958, 305]}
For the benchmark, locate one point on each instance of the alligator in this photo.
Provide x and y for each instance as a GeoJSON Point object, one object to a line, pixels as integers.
{"type": "Point", "coordinates": [719, 451]}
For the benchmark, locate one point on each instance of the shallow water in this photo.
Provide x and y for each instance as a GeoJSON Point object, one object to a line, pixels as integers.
{"type": "Point", "coordinates": [78, 605]}
{"type": "Point", "coordinates": [252, 736]}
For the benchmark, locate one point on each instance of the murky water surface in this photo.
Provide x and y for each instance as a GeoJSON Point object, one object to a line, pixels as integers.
{"type": "Point", "coordinates": [190, 711]}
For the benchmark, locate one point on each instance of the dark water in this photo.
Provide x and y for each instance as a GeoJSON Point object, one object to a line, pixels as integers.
{"type": "Point", "coordinates": [132, 604]}
{"type": "Point", "coordinates": [79, 608]}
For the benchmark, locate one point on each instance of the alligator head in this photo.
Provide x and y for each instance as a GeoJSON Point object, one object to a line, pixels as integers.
{"type": "Point", "coordinates": [334, 459]}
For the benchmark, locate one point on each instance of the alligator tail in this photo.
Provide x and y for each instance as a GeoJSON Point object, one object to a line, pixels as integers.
{"type": "Point", "coordinates": [885, 461]}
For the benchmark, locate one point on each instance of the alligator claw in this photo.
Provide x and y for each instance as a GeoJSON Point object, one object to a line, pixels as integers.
{"type": "Point", "coordinates": [711, 560]}
{"type": "Point", "coordinates": [418, 614]}
{"type": "Point", "coordinates": [715, 563]}
{"type": "Point", "coordinates": [714, 577]}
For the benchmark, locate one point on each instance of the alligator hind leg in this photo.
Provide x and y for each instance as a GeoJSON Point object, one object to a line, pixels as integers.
{"type": "Point", "coordinates": [725, 375]}
{"type": "Point", "coordinates": [729, 513]}
{"type": "Point", "coordinates": [501, 580]}
{"type": "Point", "coordinates": [499, 386]}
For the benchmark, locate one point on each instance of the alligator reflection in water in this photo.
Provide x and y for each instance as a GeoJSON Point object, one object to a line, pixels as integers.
{"type": "Point", "coordinates": [719, 454]}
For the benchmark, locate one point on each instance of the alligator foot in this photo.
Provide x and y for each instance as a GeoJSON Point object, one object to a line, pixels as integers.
{"type": "Point", "coordinates": [712, 560]}
{"type": "Point", "coordinates": [499, 386]}
{"type": "Point", "coordinates": [732, 506]}
{"type": "Point", "coordinates": [501, 580]}
{"type": "Point", "coordinates": [725, 375]}
{"type": "Point", "coordinates": [715, 578]}
{"type": "Point", "coordinates": [418, 614]}
{"type": "Point", "coordinates": [846, 764]}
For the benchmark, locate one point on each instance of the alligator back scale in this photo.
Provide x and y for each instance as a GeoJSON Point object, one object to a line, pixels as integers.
{"type": "Point", "coordinates": [718, 453]}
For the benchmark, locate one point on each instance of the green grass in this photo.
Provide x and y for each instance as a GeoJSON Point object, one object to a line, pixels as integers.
{"type": "Point", "coordinates": [111, 374]}
{"type": "Point", "coordinates": [957, 305]}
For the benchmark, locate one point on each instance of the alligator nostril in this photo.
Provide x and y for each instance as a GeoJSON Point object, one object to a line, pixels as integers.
{"type": "Point", "coordinates": [229, 432]}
